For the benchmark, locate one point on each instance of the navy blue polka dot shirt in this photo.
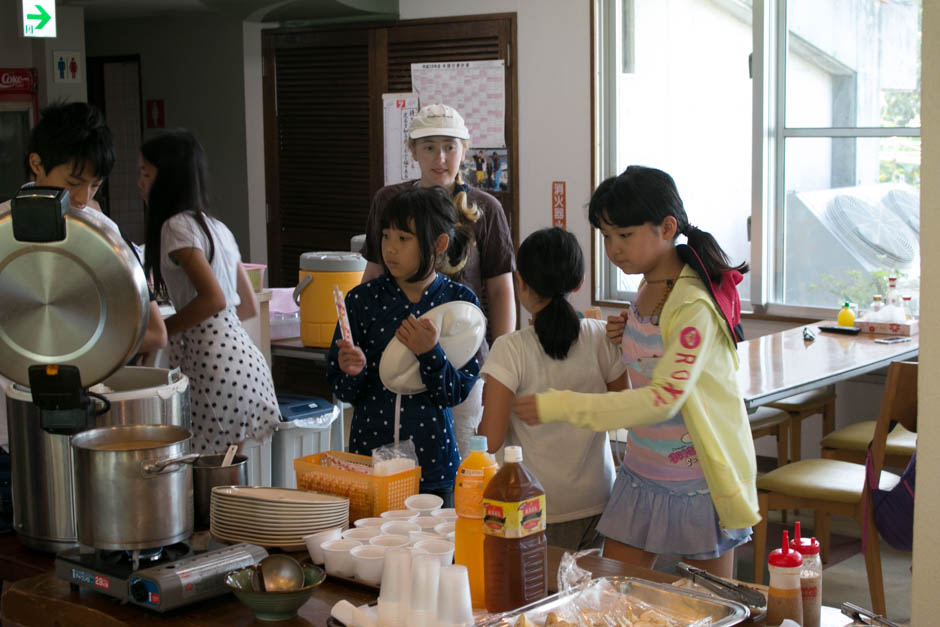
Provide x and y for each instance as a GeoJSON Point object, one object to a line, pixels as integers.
{"type": "Point", "coordinates": [376, 309]}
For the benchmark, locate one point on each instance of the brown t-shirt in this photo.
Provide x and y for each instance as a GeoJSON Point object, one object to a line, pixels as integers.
{"type": "Point", "coordinates": [492, 256]}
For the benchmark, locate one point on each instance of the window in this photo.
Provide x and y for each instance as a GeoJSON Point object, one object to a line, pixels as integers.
{"type": "Point", "coordinates": [803, 158]}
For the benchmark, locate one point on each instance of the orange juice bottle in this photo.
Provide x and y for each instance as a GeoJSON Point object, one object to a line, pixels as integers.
{"type": "Point", "coordinates": [473, 476]}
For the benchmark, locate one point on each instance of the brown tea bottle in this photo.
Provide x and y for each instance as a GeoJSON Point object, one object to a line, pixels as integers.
{"type": "Point", "coordinates": [515, 550]}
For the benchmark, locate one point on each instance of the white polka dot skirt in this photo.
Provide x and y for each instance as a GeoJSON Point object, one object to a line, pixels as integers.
{"type": "Point", "coordinates": [231, 393]}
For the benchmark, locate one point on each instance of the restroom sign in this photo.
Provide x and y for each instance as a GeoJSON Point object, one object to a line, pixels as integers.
{"type": "Point", "coordinates": [39, 18]}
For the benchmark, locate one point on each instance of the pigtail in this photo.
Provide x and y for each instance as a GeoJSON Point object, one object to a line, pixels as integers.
{"type": "Point", "coordinates": [466, 210]}
{"type": "Point", "coordinates": [714, 258]}
{"type": "Point", "coordinates": [455, 257]}
{"type": "Point", "coordinates": [552, 265]}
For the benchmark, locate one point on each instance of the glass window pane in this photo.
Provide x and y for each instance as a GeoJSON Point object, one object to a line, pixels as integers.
{"type": "Point", "coordinates": [684, 106]}
{"type": "Point", "coordinates": [853, 64]}
{"type": "Point", "coordinates": [852, 218]}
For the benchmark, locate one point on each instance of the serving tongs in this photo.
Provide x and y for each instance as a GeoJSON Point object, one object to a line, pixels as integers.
{"type": "Point", "coordinates": [865, 617]}
{"type": "Point", "coordinates": [722, 587]}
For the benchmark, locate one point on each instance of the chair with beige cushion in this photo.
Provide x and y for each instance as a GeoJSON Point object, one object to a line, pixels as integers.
{"type": "Point", "coordinates": [775, 422]}
{"type": "Point", "coordinates": [802, 406]}
{"type": "Point", "coordinates": [850, 444]}
{"type": "Point", "coordinates": [830, 486]}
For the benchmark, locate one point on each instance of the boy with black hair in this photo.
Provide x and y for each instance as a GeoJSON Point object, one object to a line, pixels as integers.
{"type": "Point", "coordinates": [71, 147]}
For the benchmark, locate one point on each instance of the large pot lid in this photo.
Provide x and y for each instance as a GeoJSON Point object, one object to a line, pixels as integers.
{"type": "Point", "coordinates": [79, 301]}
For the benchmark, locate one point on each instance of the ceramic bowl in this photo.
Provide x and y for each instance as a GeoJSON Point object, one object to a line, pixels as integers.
{"type": "Point", "coordinates": [424, 503]}
{"type": "Point", "coordinates": [272, 606]}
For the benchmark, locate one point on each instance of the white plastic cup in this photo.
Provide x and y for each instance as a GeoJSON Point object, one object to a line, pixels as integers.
{"type": "Point", "coordinates": [454, 606]}
{"type": "Point", "coordinates": [338, 560]}
{"type": "Point", "coordinates": [363, 534]}
{"type": "Point", "coordinates": [314, 540]}
{"type": "Point", "coordinates": [415, 537]}
{"type": "Point", "coordinates": [446, 514]}
{"type": "Point", "coordinates": [423, 503]}
{"type": "Point", "coordinates": [370, 522]}
{"type": "Point", "coordinates": [425, 575]}
{"type": "Point", "coordinates": [400, 514]}
{"type": "Point", "coordinates": [395, 591]}
{"type": "Point", "coordinates": [442, 529]}
{"type": "Point", "coordinates": [442, 549]}
{"type": "Point", "coordinates": [399, 528]}
{"type": "Point", "coordinates": [427, 523]}
{"type": "Point", "coordinates": [389, 541]}
{"type": "Point", "coordinates": [368, 563]}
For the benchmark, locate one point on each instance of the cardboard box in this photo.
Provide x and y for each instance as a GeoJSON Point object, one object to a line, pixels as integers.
{"type": "Point", "coordinates": [888, 328]}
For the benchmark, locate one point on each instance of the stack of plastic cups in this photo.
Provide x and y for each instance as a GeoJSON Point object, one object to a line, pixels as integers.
{"type": "Point", "coordinates": [395, 593]}
{"type": "Point", "coordinates": [425, 574]}
{"type": "Point", "coordinates": [454, 607]}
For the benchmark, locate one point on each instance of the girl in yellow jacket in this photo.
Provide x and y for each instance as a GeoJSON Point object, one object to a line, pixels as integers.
{"type": "Point", "coordinates": [686, 484]}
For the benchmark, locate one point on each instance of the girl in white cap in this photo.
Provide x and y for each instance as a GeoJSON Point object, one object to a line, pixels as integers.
{"type": "Point", "coordinates": [439, 139]}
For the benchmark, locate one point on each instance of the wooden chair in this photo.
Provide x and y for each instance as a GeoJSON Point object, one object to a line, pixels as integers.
{"type": "Point", "coordinates": [775, 422]}
{"type": "Point", "coordinates": [830, 486]}
{"type": "Point", "coordinates": [850, 444]}
{"type": "Point", "coordinates": [801, 407]}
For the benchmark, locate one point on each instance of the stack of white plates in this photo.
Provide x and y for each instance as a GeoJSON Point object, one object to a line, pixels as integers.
{"type": "Point", "coordinates": [273, 517]}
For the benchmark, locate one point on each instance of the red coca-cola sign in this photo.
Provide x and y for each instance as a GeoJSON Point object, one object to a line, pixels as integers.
{"type": "Point", "coordinates": [17, 80]}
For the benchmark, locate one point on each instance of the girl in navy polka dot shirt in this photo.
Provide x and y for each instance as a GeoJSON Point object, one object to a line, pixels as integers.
{"type": "Point", "coordinates": [420, 233]}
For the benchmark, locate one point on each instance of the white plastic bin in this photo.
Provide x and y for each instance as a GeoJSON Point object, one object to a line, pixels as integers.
{"type": "Point", "coordinates": [258, 453]}
{"type": "Point", "coordinates": [305, 429]}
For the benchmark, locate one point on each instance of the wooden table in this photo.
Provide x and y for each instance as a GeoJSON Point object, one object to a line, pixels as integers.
{"type": "Point", "coordinates": [782, 364]}
{"type": "Point", "coordinates": [45, 599]}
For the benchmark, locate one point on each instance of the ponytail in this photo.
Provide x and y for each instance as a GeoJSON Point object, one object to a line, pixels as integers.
{"type": "Point", "coordinates": [455, 257]}
{"type": "Point", "coordinates": [551, 264]}
{"type": "Point", "coordinates": [714, 258]}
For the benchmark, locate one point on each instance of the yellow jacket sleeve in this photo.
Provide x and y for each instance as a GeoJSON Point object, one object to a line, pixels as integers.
{"type": "Point", "coordinates": [690, 334]}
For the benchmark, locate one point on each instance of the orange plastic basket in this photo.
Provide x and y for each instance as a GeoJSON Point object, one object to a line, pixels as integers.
{"type": "Point", "coordinates": [368, 495]}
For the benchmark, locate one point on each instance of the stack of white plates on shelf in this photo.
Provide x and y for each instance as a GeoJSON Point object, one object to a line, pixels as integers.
{"type": "Point", "coordinates": [273, 517]}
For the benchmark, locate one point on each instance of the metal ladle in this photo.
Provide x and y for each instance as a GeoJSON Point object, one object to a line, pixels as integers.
{"type": "Point", "coordinates": [278, 573]}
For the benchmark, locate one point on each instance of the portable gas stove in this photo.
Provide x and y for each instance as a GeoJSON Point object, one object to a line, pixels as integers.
{"type": "Point", "coordinates": [159, 579]}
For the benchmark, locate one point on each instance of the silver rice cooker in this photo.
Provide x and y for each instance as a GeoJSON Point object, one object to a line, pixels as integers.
{"type": "Point", "coordinates": [75, 309]}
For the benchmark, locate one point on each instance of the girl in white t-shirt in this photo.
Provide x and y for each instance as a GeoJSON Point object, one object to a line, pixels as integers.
{"type": "Point", "coordinates": [561, 351]}
{"type": "Point", "coordinates": [195, 261]}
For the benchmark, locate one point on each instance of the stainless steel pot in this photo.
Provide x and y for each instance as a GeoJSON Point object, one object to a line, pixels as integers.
{"type": "Point", "coordinates": [209, 472]}
{"type": "Point", "coordinates": [43, 488]}
{"type": "Point", "coordinates": [135, 486]}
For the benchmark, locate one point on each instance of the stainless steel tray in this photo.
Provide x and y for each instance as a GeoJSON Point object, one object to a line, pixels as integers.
{"type": "Point", "coordinates": [683, 606]}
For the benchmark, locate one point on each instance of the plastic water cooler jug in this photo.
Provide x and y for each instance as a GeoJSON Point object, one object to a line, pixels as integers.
{"type": "Point", "coordinates": [319, 273]}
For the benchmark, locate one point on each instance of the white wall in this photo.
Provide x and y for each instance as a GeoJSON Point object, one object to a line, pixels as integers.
{"type": "Point", "coordinates": [21, 52]}
{"type": "Point", "coordinates": [927, 505]}
{"type": "Point", "coordinates": [553, 70]}
{"type": "Point", "coordinates": [198, 67]}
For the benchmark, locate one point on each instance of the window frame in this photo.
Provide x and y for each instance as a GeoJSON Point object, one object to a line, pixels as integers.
{"type": "Point", "coordinates": [769, 134]}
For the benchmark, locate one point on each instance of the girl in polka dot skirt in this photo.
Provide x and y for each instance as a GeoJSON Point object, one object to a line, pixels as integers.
{"type": "Point", "coordinates": [419, 233]}
{"type": "Point", "coordinates": [194, 260]}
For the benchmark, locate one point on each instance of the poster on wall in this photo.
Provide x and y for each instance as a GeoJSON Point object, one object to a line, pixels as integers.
{"type": "Point", "coordinates": [397, 112]}
{"type": "Point", "coordinates": [67, 66]}
{"type": "Point", "coordinates": [486, 168]}
{"type": "Point", "coordinates": [477, 89]}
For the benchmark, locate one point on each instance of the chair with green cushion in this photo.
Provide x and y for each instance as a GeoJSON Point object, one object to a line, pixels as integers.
{"type": "Point", "coordinates": [850, 444]}
{"type": "Point", "coordinates": [831, 486]}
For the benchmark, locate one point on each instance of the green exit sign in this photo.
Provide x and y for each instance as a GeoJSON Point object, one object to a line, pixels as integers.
{"type": "Point", "coordinates": [39, 18]}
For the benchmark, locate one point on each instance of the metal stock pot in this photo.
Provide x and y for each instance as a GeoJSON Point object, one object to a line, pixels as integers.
{"type": "Point", "coordinates": [135, 486]}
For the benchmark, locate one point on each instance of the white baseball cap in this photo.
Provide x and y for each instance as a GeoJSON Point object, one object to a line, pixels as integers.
{"type": "Point", "coordinates": [438, 120]}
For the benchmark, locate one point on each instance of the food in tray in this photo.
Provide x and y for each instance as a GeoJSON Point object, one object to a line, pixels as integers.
{"type": "Point", "coordinates": [638, 615]}
{"type": "Point", "coordinates": [522, 621]}
{"type": "Point", "coordinates": [552, 620]}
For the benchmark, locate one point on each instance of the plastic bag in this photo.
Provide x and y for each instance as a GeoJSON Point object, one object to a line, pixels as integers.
{"type": "Point", "coordinates": [391, 459]}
